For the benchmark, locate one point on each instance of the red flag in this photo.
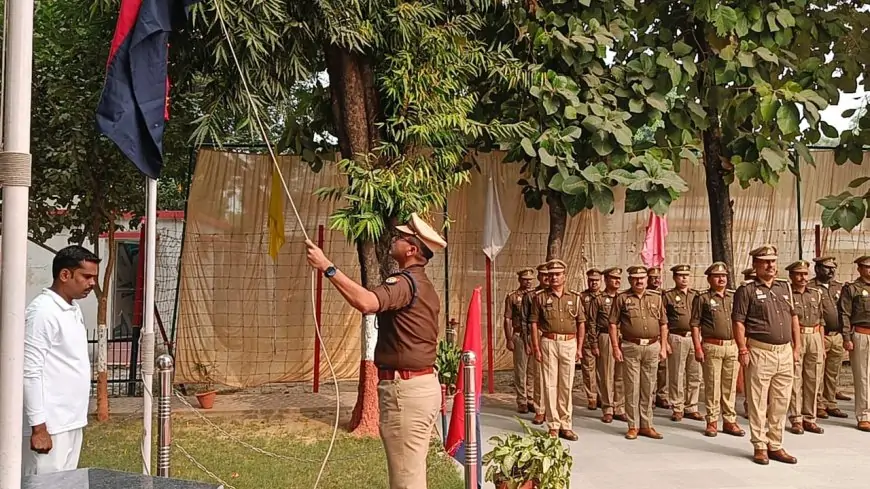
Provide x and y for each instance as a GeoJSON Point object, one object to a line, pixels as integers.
{"type": "Point", "coordinates": [456, 433]}
{"type": "Point", "coordinates": [653, 254]}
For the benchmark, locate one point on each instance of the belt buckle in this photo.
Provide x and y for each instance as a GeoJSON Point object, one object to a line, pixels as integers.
{"type": "Point", "coordinates": [643, 341]}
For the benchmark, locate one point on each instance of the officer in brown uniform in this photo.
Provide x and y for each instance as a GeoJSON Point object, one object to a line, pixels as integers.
{"type": "Point", "coordinates": [765, 326]}
{"type": "Point", "coordinates": [654, 282]}
{"type": "Point", "coordinates": [407, 307]}
{"type": "Point", "coordinates": [748, 276]}
{"type": "Point", "coordinates": [590, 384]}
{"type": "Point", "coordinates": [559, 315]}
{"type": "Point", "coordinates": [808, 370]}
{"type": "Point", "coordinates": [537, 372]}
{"type": "Point", "coordinates": [684, 373]}
{"type": "Point", "coordinates": [639, 314]}
{"type": "Point", "coordinates": [855, 318]}
{"type": "Point", "coordinates": [826, 268]}
{"type": "Point", "coordinates": [609, 371]}
{"type": "Point", "coordinates": [716, 350]}
{"type": "Point", "coordinates": [515, 335]}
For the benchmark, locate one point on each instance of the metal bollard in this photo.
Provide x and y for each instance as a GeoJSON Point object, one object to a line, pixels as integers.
{"type": "Point", "coordinates": [164, 415]}
{"type": "Point", "coordinates": [469, 393]}
{"type": "Point", "coordinates": [450, 332]}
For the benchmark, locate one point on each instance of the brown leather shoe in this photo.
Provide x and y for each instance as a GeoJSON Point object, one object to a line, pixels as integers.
{"type": "Point", "coordinates": [662, 403]}
{"type": "Point", "coordinates": [797, 428]}
{"type": "Point", "coordinates": [607, 418]}
{"type": "Point", "coordinates": [813, 428]}
{"type": "Point", "coordinates": [836, 413]}
{"type": "Point", "coordinates": [553, 433]}
{"type": "Point", "coordinates": [539, 419]}
{"type": "Point", "coordinates": [760, 457]}
{"type": "Point", "coordinates": [843, 397]}
{"type": "Point", "coordinates": [696, 416]}
{"type": "Point", "coordinates": [733, 429]}
{"type": "Point", "coordinates": [631, 434]}
{"type": "Point", "coordinates": [822, 413]}
{"type": "Point", "coordinates": [530, 407]}
{"type": "Point", "coordinates": [523, 409]}
{"type": "Point", "coordinates": [711, 430]}
{"type": "Point", "coordinates": [568, 435]}
{"type": "Point", "coordinates": [592, 406]}
{"type": "Point", "coordinates": [677, 416]}
{"type": "Point", "coordinates": [864, 425]}
{"type": "Point", "coordinates": [650, 433]}
{"type": "Point", "coordinates": [621, 417]}
{"type": "Point", "coordinates": [781, 456]}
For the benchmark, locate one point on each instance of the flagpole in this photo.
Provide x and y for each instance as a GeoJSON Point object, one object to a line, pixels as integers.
{"type": "Point", "coordinates": [15, 178]}
{"type": "Point", "coordinates": [148, 326]}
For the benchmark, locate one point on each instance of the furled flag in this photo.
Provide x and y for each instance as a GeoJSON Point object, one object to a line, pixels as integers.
{"type": "Point", "coordinates": [653, 254]}
{"type": "Point", "coordinates": [133, 107]}
{"type": "Point", "coordinates": [455, 443]}
{"type": "Point", "coordinates": [495, 229]}
{"type": "Point", "coordinates": [276, 215]}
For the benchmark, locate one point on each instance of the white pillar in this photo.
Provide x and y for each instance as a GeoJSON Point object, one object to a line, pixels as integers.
{"type": "Point", "coordinates": [148, 326]}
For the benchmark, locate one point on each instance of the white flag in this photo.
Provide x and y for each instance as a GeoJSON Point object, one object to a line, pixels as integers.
{"type": "Point", "coordinates": [495, 229]}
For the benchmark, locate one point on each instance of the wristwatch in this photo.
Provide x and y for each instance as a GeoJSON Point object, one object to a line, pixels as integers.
{"type": "Point", "coordinates": [330, 271]}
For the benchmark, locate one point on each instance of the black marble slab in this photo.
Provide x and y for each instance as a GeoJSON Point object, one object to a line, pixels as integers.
{"type": "Point", "coordinates": [107, 479]}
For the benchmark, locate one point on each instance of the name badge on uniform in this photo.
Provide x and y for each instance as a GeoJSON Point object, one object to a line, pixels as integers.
{"type": "Point", "coordinates": [677, 299]}
{"type": "Point", "coordinates": [549, 301]}
{"type": "Point", "coordinates": [607, 300]}
{"type": "Point", "coordinates": [570, 303]}
{"type": "Point", "coordinates": [784, 297]}
{"type": "Point", "coordinates": [712, 302]}
{"type": "Point", "coordinates": [864, 293]}
{"type": "Point", "coordinates": [391, 280]}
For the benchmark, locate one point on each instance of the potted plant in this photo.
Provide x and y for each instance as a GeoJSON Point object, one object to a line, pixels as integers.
{"type": "Point", "coordinates": [447, 360]}
{"type": "Point", "coordinates": [206, 399]}
{"type": "Point", "coordinates": [533, 460]}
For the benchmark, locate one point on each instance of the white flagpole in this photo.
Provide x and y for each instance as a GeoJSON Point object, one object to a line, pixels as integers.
{"type": "Point", "coordinates": [148, 307]}
{"type": "Point", "coordinates": [13, 263]}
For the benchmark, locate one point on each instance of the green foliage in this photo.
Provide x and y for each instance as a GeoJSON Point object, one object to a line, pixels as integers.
{"type": "Point", "coordinates": [534, 456]}
{"type": "Point", "coordinates": [447, 362]}
{"type": "Point", "coordinates": [846, 211]}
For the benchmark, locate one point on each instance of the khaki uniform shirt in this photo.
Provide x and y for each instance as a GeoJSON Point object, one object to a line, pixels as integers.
{"type": "Point", "coordinates": [830, 295]}
{"type": "Point", "coordinates": [854, 307]}
{"type": "Point", "coordinates": [678, 306]}
{"type": "Point", "coordinates": [558, 315]}
{"type": "Point", "coordinates": [599, 313]}
{"type": "Point", "coordinates": [711, 313]}
{"type": "Point", "coordinates": [407, 321]}
{"type": "Point", "coordinates": [639, 316]}
{"type": "Point", "coordinates": [588, 299]}
{"type": "Point", "coordinates": [526, 308]}
{"type": "Point", "coordinates": [513, 309]}
{"type": "Point", "coordinates": [765, 311]}
{"type": "Point", "coordinates": [808, 306]}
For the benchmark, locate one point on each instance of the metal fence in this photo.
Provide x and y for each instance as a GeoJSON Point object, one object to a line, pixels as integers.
{"type": "Point", "coordinates": [122, 366]}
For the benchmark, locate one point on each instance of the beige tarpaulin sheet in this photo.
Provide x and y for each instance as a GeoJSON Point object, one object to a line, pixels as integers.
{"type": "Point", "coordinates": [252, 320]}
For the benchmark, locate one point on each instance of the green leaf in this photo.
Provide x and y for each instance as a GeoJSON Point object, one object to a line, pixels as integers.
{"type": "Point", "coordinates": [746, 59]}
{"type": "Point", "coordinates": [602, 198]}
{"type": "Point", "coordinates": [815, 98]}
{"type": "Point", "coordinates": [570, 112]}
{"type": "Point", "coordinates": [571, 133]}
{"type": "Point", "coordinates": [546, 158]}
{"type": "Point", "coordinates": [768, 107]}
{"type": "Point", "coordinates": [775, 158]}
{"type": "Point", "coordinates": [594, 173]}
{"type": "Point", "coordinates": [828, 130]}
{"type": "Point", "coordinates": [788, 118]}
{"type": "Point", "coordinates": [635, 105]}
{"type": "Point", "coordinates": [658, 102]}
{"type": "Point", "coordinates": [556, 182]}
{"type": "Point", "coordinates": [725, 20]}
{"type": "Point", "coordinates": [848, 113]}
{"type": "Point", "coordinates": [804, 153]}
{"type": "Point", "coordinates": [681, 49]}
{"type": "Point", "coordinates": [635, 201]}
{"type": "Point", "coordinates": [858, 182]}
{"type": "Point", "coordinates": [601, 144]}
{"type": "Point", "coordinates": [574, 185]}
{"type": "Point", "coordinates": [550, 105]}
{"type": "Point", "coordinates": [784, 17]}
{"type": "Point", "coordinates": [526, 143]}
{"type": "Point", "coordinates": [746, 171]}
{"type": "Point", "coordinates": [767, 55]}
{"type": "Point", "coordinates": [623, 135]}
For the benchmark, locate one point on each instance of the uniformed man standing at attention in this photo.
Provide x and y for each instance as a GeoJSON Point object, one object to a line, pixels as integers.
{"type": "Point", "coordinates": [654, 282]}
{"type": "Point", "coordinates": [855, 318]}
{"type": "Point", "coordinates": [590, 384]}
{"type": "Point", "coordinates": [684, 373]}
{"type": "Point", "coordinates": [407, 307]}
{"type": "Point", "coordinates": [559, 315]}
{"type": "Point", "coordinates": [748, 276]}
{"type": "Point", "coordinates": [639, 314]}
{"type": "Point", "coordinates": [716, 350]}
{"type": "Point", "coordinates": [765, 326]}
{"type": "Point", "coordinates": [826, 268]}
{"type": "Point", "coordinates": [535, 365]}
{"type": "Point", "coordinates": [809, 367]}
{"type": "Point", "coordinates": [610, 376]}
{"type": "Point", "coordinates": [515, 335]}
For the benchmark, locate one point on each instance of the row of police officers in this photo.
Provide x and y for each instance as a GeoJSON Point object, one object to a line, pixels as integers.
{"type": "Point", "coordinates": [642, 346]}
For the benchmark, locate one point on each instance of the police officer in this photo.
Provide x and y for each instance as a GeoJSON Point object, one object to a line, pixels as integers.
{"type": "Point", "coordinates": [654, 282]}
{"type": "Point", "coordinates": [765, 326]}
{"type": "Point", "coordinates": [558, 313]}
{"type": "Point", "coordinates": [808, 369]}
{"type": "Point", "coordinates": [590, 384]}
{"type": "Point", "coordinates": [515, 335]}
{"type": "Point", "coordinates": [826, 268]}
{"type": "Point", "coordinates": [609, 371]}
{"type": "Point", "coordinates": [407, 307]}
{"type": "Point", "coordinates": [855, 317]}
{"type": "Point", "coordinates": [537, 371]}
{"type": "Point", "coordinates": [716, 350]}
{"type": "Point", "coordinates": [684, 373]}
{"type": "Point", "coordinates": [639, 315]}
{"type": "Point", "coordinates": [748, 277]}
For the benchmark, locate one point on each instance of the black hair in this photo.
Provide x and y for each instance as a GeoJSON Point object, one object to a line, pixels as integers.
{"type": "Point", "coordinates": [71, 258]}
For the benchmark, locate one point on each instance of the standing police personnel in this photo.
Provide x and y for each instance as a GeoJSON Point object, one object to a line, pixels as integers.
{"type": "Point", "coordinates": [537, 371]}
{"type": "Point", "coordinates": [609, 371]}
{"type": "Point", "coordinates": [590, 384]}
{"type": "Point", "coordinates": [407, 308]}
{"type": "Point", "coordinates": [807, 303]}
{"type": "Point", "coordinates": [765, 325]}
{"type": "Point", "coordinates": [716, 350]}
{"type": "Point", "coordinates": [826, 268]}
{"type": "Point", "coordinates": [515, 334]}
{"type": "Point", "coordinates": [559, 315]}
{"type": "Point", "coordinates": [684, 373]}
{"type": "Point", "coordinates": [654, 282]}
{"type": "Point", "coordinates": [639, 314]}
{"type": "Point", "coordinates": [855, 318]}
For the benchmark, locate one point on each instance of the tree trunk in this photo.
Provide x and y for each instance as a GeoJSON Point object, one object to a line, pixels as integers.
{"type": "Point", "coordinates": [558, 222]}
{"type": "Point", "coordinates": [719, 197]}
{"type": "Point", "coordinates": [102, 292]}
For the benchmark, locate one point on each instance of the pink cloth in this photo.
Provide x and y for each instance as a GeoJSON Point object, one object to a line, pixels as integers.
{"type": "Point", "coordinates": [653, 254]}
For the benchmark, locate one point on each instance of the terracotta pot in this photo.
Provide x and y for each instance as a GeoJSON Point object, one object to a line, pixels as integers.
{"type": "Point", "coordinates": [524, 485]}
{"type": "Point", "coordinates": [206, 399]}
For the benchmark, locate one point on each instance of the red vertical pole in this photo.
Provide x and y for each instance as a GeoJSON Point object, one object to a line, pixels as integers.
{"type": "Point", "coordinates": [489, 342]}
{"type": "Point", "coordinates": [818, 233]}
{"type": "Point", "coordinates": [318, 315]}
{"type": "Point", "coordinates": [140, 279]}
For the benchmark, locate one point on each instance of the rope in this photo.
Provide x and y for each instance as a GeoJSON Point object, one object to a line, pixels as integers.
{"type": "Point", "coordinates": [14, 169]}
{"type": "Point", "coordinates": [202, 467]}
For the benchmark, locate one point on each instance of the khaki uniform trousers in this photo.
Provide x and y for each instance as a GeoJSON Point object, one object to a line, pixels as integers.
{"type": "Point", "coordinates": [808, 373]}
{"type": "Point", "coordinates": [769, 377]}
{"type": "Point", "coordinates": [860, 360]}
{"type": "Point", "coordinates": [720, 381]}
{"type": "Point", "coordinates": [408, 411]}
{"type": "Point", "coordinates": [558, 366]}
{"type": "Point", "coordinates": [684, 382]}
{"type": "Point", "coordinates": [610, 378]}
{"type": "Point", "coordinates": [524, 374]}
{"type": "Point", "coordinates": [834, 354]}
{"type": "Point", "coordinates": [590, 381]}
{"type": "Point", "coordinates": [640, 367]}
{"type": "Point", "coordinates": [662, 381]}
{"type": "Point", "coordinates": [538, 376]}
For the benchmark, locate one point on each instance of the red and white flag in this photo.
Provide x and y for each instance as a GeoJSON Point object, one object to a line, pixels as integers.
{"type": "Point", "coordinates": [653, 254]}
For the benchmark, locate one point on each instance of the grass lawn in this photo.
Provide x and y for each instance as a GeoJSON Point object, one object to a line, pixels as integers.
{"type": "Point", "coordinates": [354, 463]}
